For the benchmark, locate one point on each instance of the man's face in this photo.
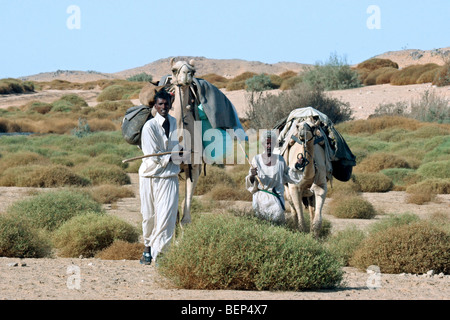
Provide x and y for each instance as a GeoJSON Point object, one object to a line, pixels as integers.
{"type": "Point", "coordinates": [162, 107]}
{"type": "Point", "coordinates": [269, 148]}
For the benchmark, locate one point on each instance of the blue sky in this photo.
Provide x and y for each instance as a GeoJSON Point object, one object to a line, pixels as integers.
{"type": "Point", "coordinates": [112, 35]}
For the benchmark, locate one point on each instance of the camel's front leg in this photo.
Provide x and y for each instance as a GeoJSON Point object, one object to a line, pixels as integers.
{"type": "Point", "coordinates": [296, 202]}
{"type": "Point", "coordinates": [189, 193]}
{"type": "Point", "coordinates": [320, 189]}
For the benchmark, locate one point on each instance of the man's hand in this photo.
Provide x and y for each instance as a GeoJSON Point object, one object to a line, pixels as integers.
{"type": "Point", "coordinates": [253, 172]}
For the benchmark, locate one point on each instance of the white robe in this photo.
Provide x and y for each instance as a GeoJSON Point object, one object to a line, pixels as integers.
{"type": "Point", "coordinates": [158, 185]}
{"type": "Point", "coordinates": [265, 204]}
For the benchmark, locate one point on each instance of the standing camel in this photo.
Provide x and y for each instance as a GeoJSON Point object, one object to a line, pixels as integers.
{"type": "Point", "coordinates": [302, 128]}
{"type": "Point", "coordinates": [188, 93]}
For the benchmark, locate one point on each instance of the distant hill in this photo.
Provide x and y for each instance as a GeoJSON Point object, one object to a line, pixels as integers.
{"type": "Point", "coordinates": [230, 68]}
{"type": "Point", "coordinates": [408, 57]}
{"type": "Point", "coordinates": [69, 75]}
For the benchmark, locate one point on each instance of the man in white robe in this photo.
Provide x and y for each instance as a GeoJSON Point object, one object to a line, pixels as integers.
{"type": "Point", "coordinates": [158, 180]}
{"type": "Point", "coordinates": [272, 172]}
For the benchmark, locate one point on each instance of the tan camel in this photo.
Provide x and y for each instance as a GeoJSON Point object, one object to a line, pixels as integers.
{"type": "Point", "coordinates": [188, 93]}
{"type": "Point", "coordinates": [312, 189]}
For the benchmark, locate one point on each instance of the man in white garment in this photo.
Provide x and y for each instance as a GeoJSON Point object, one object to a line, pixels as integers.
{"type": "Point", "coordinates": [272, 172]}
{"type": "Point", "coordinates": [158, 180]}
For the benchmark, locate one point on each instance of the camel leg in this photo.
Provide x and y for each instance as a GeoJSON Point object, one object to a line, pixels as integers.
{"type": "Point", "coordinates": [189, 193]}
{"type": "Point", "coordinates": [320, 190]}
{"type": "Point", "coordinates": [296, 204]}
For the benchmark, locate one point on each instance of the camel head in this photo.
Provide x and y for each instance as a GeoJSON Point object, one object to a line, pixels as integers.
{"type": "Point", "coordinates": [182, 72]}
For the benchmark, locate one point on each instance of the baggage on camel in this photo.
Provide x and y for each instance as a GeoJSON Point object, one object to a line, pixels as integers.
{"type": "Point", "coordinates": [341, 159]}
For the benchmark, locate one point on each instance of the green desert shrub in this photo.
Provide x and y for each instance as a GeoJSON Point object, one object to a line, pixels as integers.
{"type": "Point", "coordinates": [431, 185]}
{"type": "Point", "coordinates": [49, 210]}
{"type": "Point", "coordinates": [260, 82]}
{"type": "Point", "coordinates": [108, 193]}
{"type": "Point", "coordinates": [120, 105]}
{"type": "Point", "coordinates": [74, 99]}
{"type": "Point", "coordinates": [378, 161]}
{"type": "Point", "coordinates": [112, 93]}
{"type": "Point", "coordinates": [47, 176]}
{"type": "Point", "coordinates": [89, 233]}
{"type": "Point", "coordinates": [402, 177]}
{"type": "Point", "coordinates": [435, 169]}
{"type": "Point", "coordinates": [228, 252]}
{"type": "Point", "coordinates": [214, 176]}
{"type": "Point", "coordinates": [290, 83]}
{"type": "Point", "coordinates": [279, 106]}
{"type": "Point", "coordinates": [373, 182]}
{"type": "Point", "coordinates": [18, 238]}
{"type": "Point", "coordinates": [11, 85]}
{"type": "Point", "coordinates": [393, 220]}
{"type": "Point", "coordinates": [141, 77]}
{"type": "Point", "coordinates": [104, 174]}
{"type": "Point", "coordinates": [431, 108]}
{"type": "Point", "coordinates": [345, 242]}
{"type": "Point", "coordinates": [334, 74]}
{"type": "Point", "coordinates": [352, 207]}
{"type": "Point", "coordinates": [411, 248]}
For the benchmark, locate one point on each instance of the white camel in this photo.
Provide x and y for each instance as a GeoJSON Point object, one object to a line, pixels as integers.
{"type": "Point", "coordinates": [302, 129]}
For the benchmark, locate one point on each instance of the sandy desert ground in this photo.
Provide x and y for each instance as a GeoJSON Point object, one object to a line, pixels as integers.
{"type": "Point", "coordinates": [49, 279]}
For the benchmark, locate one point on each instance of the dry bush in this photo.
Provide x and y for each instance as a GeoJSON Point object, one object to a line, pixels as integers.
{"type": "Point", "coordinates": [16, 125]}
{"type": "Point", "coordinates": [214, 176]}
{"type": "Point", "coordinates": [19, 239]}
{"type": "Point", "coordinates": [385, 75]}
{"type": "Point", "coordinates": [122, 250]}
{"type": "Point", "coordinates": [89, 233]}
{"type": "Point", "coordinates": [290, 83]}
{"type": "Point", "coordinates": [442, 77]}
{"type": "Point", "coordinates": [351, 207]}
{"type": "Point", "coordinates": [379, 76]}
{"type": "Point", "coordinates": [55, 176]}
{"type": "Point", "coordinates": [103, 125]}
{"type": "Point", "coordinates": [339, 187]}
{"type": "Point", "coordinates": [428, 76]}
{"type": "Point", "coordinates": [376, 124]}
{"type": "Point", "coordinates": [420, 198]}
{"type": "Point", "coordinates": [288, 74]}
{"type": "Point", "coordinates": [121, 105]}
{"type": "Point", "coordinates": [221, 192]}
{"type": "Point", "coordinates": [21, 158]}
{"type": "Point", "coordinates": [377, 63]}
{"type": "Point", "coordinates": [108, 193]}
{"type": "Point", "coordinates": [373, 182]}
{"type": "Point", "coordinates": [410, 74]}
{"type": "Point", "coordinates": [433, 185]}
{"type": "Point", "coordinates": [412, 248]}
{"type": "Point", "coordinates": [238, 82]}
{"type": "Point", "coordinates": [376, 162]}
{"type": "Point", "coordinates": [103, 174]}
{"type": "Point", "coordinates": [216, 80]}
